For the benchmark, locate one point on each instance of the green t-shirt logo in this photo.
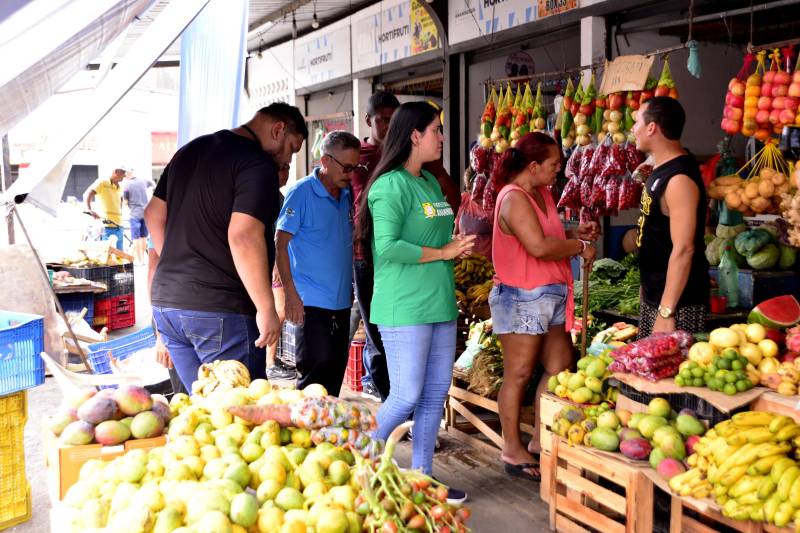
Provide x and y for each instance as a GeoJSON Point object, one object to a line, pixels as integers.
{"type": "Point", "coordinates": [428, 210]}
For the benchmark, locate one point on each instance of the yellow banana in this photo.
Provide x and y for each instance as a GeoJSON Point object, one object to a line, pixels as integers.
{"type": "Point", "coordinates": [779, 422]}
{"type": "Point", "coordinates": [757, 513]}
{"type": "Point", "coordinates": [794, 494]}
{"type": "Point", "coordinates": [784, 514]}
{"type": "Point", "coordinates": [753, 418]}
{"type": "Point", "coordinates": [788, 433]}
{"type": "Point", "coordinates": [725, 429]}
{"type": "Point", "coordinates": [770, 507]}
{"type": "Point", "coordinates": [786, 481]}
{"type": "Point", "coordinates": [737, 439]}
{"type": "Point", "coordinates": [767, 488]}
{"type": "Point", "coordinates": [711, 433]}
{"type": "Point", "coordinates": [764, 465]}
{"type": "Point", "coordinates": [758, 435]}
{"type": "Point", "coordinates": [692, 460]}
{"type": "Point", "coordinates": [751, 499]}
{"type": "Point", "coordinates": [771, 448]}
{"type": "Point", "coordinates": [733, 475]}
{"type": "Point", "coordinates": [746, 484]}
{"type": "Point", "coordinates": [780, 466]}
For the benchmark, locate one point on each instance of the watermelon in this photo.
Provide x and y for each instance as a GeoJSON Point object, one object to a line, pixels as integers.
{"type": "Point", "coordinates": [780, 312]}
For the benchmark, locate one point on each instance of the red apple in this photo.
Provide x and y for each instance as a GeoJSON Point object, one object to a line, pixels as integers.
{"type": "Point", "coordinates": [794, 89]}
{"type": "Point", "coordinates": [789, 357]}
{"type": "Point", "coordinates": [766, 89]}
{"type": "Point", "coordinates": [778, 102]}
{"type": "Point", "coordinates": [775, 116]}
{"type": "Point", "coordinates": [738, 88]}
{"type": "Point", "coordinates": [779, 90]}
{"type": "Point", "coordinates": [690, 442]}
{"type": "Point", "coordinates": [769, 76]}
{"type": "Point", "coordinates": [782, 78]}
{"type": "Point", "coordinates": [737, 113]}
{"type": "Point", "coordinates": [762, 117]}
{"type": "Point", "coordinates": [796, 76]}
{"type": "Point", "coordinates": [790, 103]}
{"type": "Point", "coordinates": [737, 100]}
{"type": "Point", "coordinates": [787, 117]}
{"type": "Point", "coordinates": [765, 102]}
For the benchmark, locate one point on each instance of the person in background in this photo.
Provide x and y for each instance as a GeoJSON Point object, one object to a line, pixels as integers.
{"type": "Point", "coordinates": [405, 225]}
{"type": "Point", "coordinates": [315, 261]}
{"type": "Point", "coordinates": [532, 300]}
{"type": "Point", "coordinates": [211, 220]}
{"type": "Point", "coordinates": [109, 195]}
{"type": "Point", "coordinates": [674, 269]}
{"type": "Point", "coordinates": [380, 108]}
{"type": "Point", "coordinates": [276, 369]}
{"type": "Point", "coordinates": [135, 195]}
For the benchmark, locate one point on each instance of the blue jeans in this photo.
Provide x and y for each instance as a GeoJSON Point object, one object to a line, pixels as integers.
{"type": "Point", "coordinates": [116, 231]}
{"type": "Point", "coordinates": [420, 359]}
{"type": "Point", "coordinates": [197, 337]}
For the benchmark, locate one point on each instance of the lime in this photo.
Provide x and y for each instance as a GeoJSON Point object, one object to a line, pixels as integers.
{"type": "Point", "coordinates": [712, 369]}
{"type": "Point", "coordinates": [679, 381]}
{"type": "Point", "coordinates": [720, 374]}
{"type": "Point", "coordinates": [698, 382]}
{"type": "Point", "coordinates": [730, 377]}
{"type": "Point", "coordinates": [742, 385]}
{"type": "Point", "coordinates": [725, 364]}
{"type": "Point", "coordinates": [697, 372]}
{"type": "Point", "coordinates": [729, 389]}
{"type": "Point", "coordinates": [737, 365]}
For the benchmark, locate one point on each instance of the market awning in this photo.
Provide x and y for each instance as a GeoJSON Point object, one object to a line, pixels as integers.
{"type": "Point", "coordinates": [43, 182]}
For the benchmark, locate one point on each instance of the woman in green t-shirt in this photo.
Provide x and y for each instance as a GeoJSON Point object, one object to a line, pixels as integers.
{"type": "Point", "coordinates": [407, 225]}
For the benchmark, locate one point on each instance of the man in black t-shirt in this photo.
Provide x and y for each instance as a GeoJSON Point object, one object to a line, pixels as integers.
{"type": "Point", "coordinates": [211, 220]}
{"type": "Point", "coordinates": [674, 270]}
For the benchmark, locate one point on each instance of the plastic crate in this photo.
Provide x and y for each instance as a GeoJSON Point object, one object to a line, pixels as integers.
{"type": "Point", "coordinates": [122, 280]}
{"type": "Point", "coordinates": [120, 349]}
{"type": "Point", "coordinates": [703, 409]}
{"type": "Point", "coordinates": [355, 366]}
{"type": "Point", "coordinates": [122, 312]}
{"type": "Point", "coordinates": [102, 311]}
{"type": "Point", "coordinates": [21, 342]}
{"type": "Point", "coordinates": [101, 274]}
{"type": "Point", "coordinates": [74, 303]}
{"type": "Point", "coordinates": [15, 498]}
{"type": "Point", "coordinates": [287, 347]}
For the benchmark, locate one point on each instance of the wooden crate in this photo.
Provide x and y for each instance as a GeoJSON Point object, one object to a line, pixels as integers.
{"type": "Point", "coordinates": [544, 469]}
{"type": "Point", "coordinates": [549, 406]}
{"type": "Point", "coordinates": [473, 408]}
{"type": "Point", "coordinates": [596, 492]}
{"type": "Point", "coordinates": [708, 519]}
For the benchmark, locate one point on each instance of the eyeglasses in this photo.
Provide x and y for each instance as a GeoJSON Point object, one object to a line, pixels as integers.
{"type": "Point", "coordinates": [347, 169]}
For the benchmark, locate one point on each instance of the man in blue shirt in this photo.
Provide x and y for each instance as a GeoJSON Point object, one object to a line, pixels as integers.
{"type": "Point", "coordinates": [314, 255]}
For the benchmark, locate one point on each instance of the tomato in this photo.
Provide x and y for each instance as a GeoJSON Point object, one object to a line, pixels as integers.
{"type": "Point", "coordinates": [616, 101]}
{"type": "Point", "coordinates": [389, 527]}
{"type": "Point", "coordinates": [416, 522]}
{"type": "Point", "coordinates": [441, 493]}
{"type": "Point", "coordinates": [673, 93]}
{"type": "Point", "coordinates": [601, 102]}
{"type": "Point", "coordinates": [424, 483]}
{"type": "Point", "coordinates": [463, 514]}
{"type": "Point", "coordinates": [437, 512]}
{"type": "Point", "coordinates": [662, 90]}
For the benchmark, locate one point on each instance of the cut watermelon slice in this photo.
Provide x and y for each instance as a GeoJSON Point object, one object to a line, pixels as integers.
{"type": "Point", "coordinates": [780, 312]}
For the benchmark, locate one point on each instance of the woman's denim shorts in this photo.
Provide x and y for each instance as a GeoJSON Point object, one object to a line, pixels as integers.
{"type": "Point", "coordinates": [527, 311]}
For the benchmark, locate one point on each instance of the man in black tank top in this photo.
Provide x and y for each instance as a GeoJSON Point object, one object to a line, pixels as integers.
{"type": "Point", "coordinates": [674, 270]}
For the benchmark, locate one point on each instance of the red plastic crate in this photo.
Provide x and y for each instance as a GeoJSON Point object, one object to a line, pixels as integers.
{"type": "Point", "coordinates": [355, 366]}
{"type": "Point", "coordinates": [102, 312]}
{"type": "Point", "coordinates": [122, 312]}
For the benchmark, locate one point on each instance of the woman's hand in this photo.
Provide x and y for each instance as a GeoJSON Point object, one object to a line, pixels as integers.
{"type": "Point", "coordinates": [589, 231]}
{"type": "Point", "coordinates": [460, 246]}
{"type": "Point", "coordinates": [588, 254]}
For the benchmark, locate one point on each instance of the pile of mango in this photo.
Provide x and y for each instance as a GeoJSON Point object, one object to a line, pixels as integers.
{"type": "Point", "coordinates": [749, 465]}
{"type": "Point", "coordinates": [588, 385]}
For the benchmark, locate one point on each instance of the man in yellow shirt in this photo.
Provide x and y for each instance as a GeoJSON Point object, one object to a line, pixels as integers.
{"type": "Point", "coordinates": [109, 195]}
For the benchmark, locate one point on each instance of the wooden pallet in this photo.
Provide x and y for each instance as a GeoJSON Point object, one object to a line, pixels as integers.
{"type": "Point", "coordinates": [596, 492]}
{"type": "Point", "coordinates": [462, 403]}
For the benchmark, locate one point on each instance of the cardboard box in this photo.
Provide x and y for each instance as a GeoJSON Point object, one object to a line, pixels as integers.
{"type": "Point", "coordinates": [64, 462]}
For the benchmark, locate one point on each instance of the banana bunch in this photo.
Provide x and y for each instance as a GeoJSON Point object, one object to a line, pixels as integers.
{"type": "Point", "coordinates": [472, 270]}
{"type": "Point", "coordinates": [479, 294]}
{"type": "Point", "coordinates": [220, 375]}
{"type": "Point", "coordinates": [691, 483]}
{"type": "Point", "coordinates": [746, 460]}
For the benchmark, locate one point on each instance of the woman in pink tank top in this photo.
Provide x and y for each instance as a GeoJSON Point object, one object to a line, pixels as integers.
{"type": "Point", "coordinates": [531, 302]}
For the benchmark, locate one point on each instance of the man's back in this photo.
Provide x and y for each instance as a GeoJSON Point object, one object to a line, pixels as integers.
{"type": "Point", "coordinates": [136, 196]}
{"type": "Point", "coordinates": [206, 181]}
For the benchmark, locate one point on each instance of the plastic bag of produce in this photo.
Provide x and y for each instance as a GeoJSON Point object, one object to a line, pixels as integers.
{"type": "Point", "coordinates": [599, 157]}
{"type": "Point", "coordinates": [612, 193]}
{"type": "Point", "coordinates": [571, 195]}
{"type": "Point", "coordinates": [598, 199]}
{"type": "Point", "coordinates": [586, 160]}
{"type": "Point", "coordinates": [615, 163]}
{"type": "Point", "coordinates": [630, 193]}
{"type": "Point", "coordinates": [749, 242]}
{"type": "Point", "coordinates": [633, 157]}
{"type": "Point", "coordinates": [573, 166]}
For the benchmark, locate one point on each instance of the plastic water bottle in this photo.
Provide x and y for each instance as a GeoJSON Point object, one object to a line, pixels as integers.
{"type": "Point", "coordinates": [729, 278]}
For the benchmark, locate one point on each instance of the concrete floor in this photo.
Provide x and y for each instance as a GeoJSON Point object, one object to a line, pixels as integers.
{"type": "Point", "coordinates": [496, 500]}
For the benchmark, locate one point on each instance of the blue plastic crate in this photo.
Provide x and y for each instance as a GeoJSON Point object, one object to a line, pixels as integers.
{"type": "Point", "coordinates": [120, 349]}
{"type": "Point", "coordinates": [21, 342]}
{"type": "Point", "coordinates": [74, 303]}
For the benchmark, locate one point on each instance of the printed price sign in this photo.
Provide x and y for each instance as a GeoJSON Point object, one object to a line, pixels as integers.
{"type": "Point", "coordinates": [626, 73]}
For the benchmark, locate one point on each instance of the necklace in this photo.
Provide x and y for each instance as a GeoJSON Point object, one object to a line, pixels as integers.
{"type": "Point", "coordinates": [251, 132]}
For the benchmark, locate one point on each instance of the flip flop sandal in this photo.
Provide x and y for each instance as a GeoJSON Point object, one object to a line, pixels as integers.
{"type": "Point", "coordinates": [521, 471]}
